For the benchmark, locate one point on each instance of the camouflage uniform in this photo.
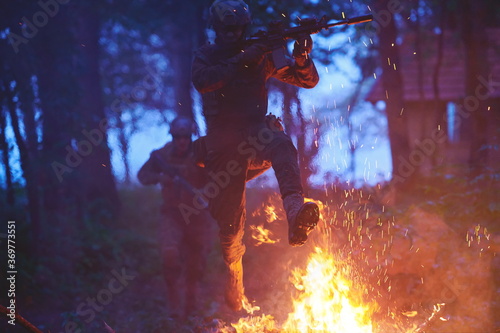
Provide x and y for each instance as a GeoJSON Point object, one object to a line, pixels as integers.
{"type": "Point", "coordinates": [239, 143]}
{"type": "Point", "coordinates": [185, 243]}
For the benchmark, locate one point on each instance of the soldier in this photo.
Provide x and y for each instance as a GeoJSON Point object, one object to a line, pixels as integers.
{"type": "Point", "coordinates": [241, 142]}
{"type": "Point", "coordinates": [184, 243]}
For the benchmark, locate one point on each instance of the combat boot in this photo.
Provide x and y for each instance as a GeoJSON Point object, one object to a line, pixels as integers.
{"type": "Point", "coordinates": [235, 292]}
{"type": "Point", "coordinates": [302, 218]}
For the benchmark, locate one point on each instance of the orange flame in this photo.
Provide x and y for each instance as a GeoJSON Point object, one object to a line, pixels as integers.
{"type": "Point", "coordinates": [329, 296]}
{"type": "Point", "coordinates": [327, 302]}
{"type": "Point", "coordinates": [271, 214]}
{"type": "Point", "coordinates": [262, 235]}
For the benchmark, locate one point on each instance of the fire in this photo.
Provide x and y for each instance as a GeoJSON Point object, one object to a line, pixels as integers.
{"type": "Point", "coordinates": [259, 232]}
{"type": "Point", "coordinates": [271, 214]}
{"type": "Point", "coordinates": [327, 302]}
{"type": "Point", "coordinates": [262, 324]}
{"type": "Point", "coordinates": [262, 235]}
{"type": "Point", "coordinates": [329, 295]}
{"type": "Point", "coordinates": [320, 204]}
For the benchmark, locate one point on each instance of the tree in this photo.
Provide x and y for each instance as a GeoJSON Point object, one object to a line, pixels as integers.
{"type": "Point", "coordinates": [4, 147]}
{"type": "Point", "coordinates": [393, 85]}
{"type": "Point", "coordinates": [18, 101]}
{"type": "Point", "coordinates": [97, 177]}
{"type": "Point", "coordinates": [475, 39]}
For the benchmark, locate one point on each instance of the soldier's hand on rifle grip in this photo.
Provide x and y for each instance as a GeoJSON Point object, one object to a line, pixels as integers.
{"type": "Point", "coordinates": [301, 49]}
{"type": "Point", "coordinates": [252, 55]}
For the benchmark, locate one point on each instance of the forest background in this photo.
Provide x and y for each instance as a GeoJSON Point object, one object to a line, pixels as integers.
{"type": "Point", "coordinates": [81, 81]}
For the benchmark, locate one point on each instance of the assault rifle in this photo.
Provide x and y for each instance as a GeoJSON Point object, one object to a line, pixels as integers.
{"type": "Point", "coordinates": [277, 35]}
{"type": "Point", "coordinates": [178, 179]}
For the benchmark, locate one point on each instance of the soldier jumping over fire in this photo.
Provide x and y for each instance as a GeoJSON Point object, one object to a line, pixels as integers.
{"type": "Point", "coordinates": [232, 76]}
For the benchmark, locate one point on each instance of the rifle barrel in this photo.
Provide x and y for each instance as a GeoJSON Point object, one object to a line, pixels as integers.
{"type": "Point", "coordinates": [292, 33]}
{"type": "Point", "coordinates": [354, 20]}
{"type": "Point", "coordinates": [360, 19]}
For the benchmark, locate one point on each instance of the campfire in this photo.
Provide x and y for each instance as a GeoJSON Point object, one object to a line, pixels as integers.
{"type": "Point", "coordinates": [327, 302]}
{"type": "Point", "coordinates": [327, 299]}
{"type": "Point", "coordinates": [330, 292]}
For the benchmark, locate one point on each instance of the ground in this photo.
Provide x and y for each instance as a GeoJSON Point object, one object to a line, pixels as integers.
{"type": "Point", "coordinates": [433, 247]}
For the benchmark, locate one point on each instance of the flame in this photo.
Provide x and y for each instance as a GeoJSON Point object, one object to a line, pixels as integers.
{"type": "Point", "coordinates": [271, 214]}
{"type": "Point", "coordinates": [327, 302]}
{"type": "Point", "coordinates": [329, 296]}
{"type": "Point", "coordinates": [320, 204]}
{"type": "Point", "coordinates": [248, 307]}
{"type": "Point", "coordinates": [259, 232]}
{"type": "Point", "coordinates": [262, 235]}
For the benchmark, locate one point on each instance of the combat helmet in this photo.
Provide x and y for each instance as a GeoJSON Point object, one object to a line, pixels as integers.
{"type": "Point", "coordinates": [229, 13]}
{"type": "Point", "coordinates": [182, 126]}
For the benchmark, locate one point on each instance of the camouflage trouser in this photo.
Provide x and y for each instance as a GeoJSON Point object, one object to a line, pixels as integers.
{"type": "Point", "coordinates": [235, 158]}
{"type": "Point", "coordinates": [184, 250]}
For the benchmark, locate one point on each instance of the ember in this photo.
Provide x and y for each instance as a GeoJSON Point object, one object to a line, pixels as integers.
{"type": "Point", "coordinates": [326, 298]}
{"type": "Point", "coordinates": [340, 281]}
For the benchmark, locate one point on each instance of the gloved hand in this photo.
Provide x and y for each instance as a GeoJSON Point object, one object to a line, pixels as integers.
{"type": "Point", "coordinates": [252, 55]}
{"type": "Point", "coordinates": [302, 47]}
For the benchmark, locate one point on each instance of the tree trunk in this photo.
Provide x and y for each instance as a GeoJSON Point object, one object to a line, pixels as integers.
{"type": "Point", "coordinates": [181, 63]}
{"type": "Point", "coordinates": [184, 30]}
{"type": "Point", "coordinates": [58, 96]}
{"type": "Point", "coordinates": [306, 151]}
{"type": "Point", "coordinates": [96, 171]}
{"type": "Point", "coordinates": [402, 171]}
{"type": "Point", "coordinates": [4, 147]}
{"type": "Point", "coordinates": [26, 105]}
{"type": "Point", "coordinates": [123, 140]}
{"type": "Point", "coordinates": [425, 115]}
{"type": "Point", "coordinates": [296, 127]}
{"type": "Point", "coordinates": [476, 66]}
{"type": "Point", "coordinates": [350, 130]}
{"type": "Point", "coordinates": [27, 166]}
{"type": "Point", "coordinates": [439, 106]}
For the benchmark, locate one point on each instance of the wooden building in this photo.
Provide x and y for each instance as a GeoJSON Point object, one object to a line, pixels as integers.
{"type": "Point", "coordinates": [433, 70]}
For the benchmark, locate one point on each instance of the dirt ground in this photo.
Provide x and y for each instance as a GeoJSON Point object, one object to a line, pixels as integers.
{"type": "Point", "coordinates": [410, 260]}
